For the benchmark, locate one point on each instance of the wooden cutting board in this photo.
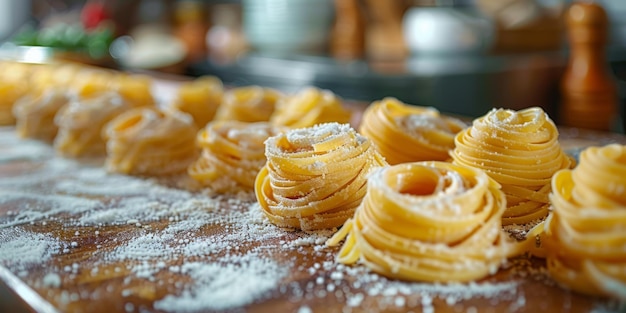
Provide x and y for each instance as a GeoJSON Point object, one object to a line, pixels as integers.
{"type": "Point", "coordinates": [74, 238]}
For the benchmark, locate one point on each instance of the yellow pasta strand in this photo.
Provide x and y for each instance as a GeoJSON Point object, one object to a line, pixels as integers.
{"type": "Point", "coordinates": [429, 221]}
{"type": "Point", "coordinates": [519, 150]}
{"type": "Point", "coordinates": [10, 92]}
{"type": "Point", "coordinates": [91, 83]}
{"type": "Point", "coordinates": [585, 235]}
{"type": "Point", "coordinates": [309, 107]}
{"type": "Point", "coordinates": [200, 98]}
{"type": "Point", "coordinates": [81, 122]}
{"type": "Point", "coordinates": [62, 76]}
{"type": "Point", "coordinates": [425, 134]}
{"type": "Point", "coordinates": [148, 141]}
{"type": "Point", "coordinates": [35, 114]}
{"type": "Point", "coordinates": [135, 89]}
{"type": "Point", "coordinates": [232, 155]}
{"type": "Point", "coordinates": [51, 76]}
{"type": "Point", "coordinates": [248, 104]}
{"type": "Point", "coordinates": [315, 177]}
{"type": "Point", "coordinates": [13, 86]}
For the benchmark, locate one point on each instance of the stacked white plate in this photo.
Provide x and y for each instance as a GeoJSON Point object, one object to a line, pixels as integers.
{"type": "Point", "coordinates": [288, 26]}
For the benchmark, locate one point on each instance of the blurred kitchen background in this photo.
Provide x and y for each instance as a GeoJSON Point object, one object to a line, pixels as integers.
{"type": "Point", "coordinates": [460, 56]}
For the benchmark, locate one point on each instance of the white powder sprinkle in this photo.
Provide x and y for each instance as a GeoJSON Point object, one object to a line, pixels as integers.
{"type": "Point", "coordinates": [519, 231]}
{"type": "Point", "coordinates": [224, 286]}
{"type": "Point", "coordinates": [144, 248]}
{"type": "Point", "coordinates": [33, 207]}
{"type": "Point", "coordinates": [304, 309]}
{"type": "Point", "coordinates": [21, 249]}
{"type": "Point", "coordinates": [14, 148]}
{"type": "Point", "coordinates": [51, 280]}
{"type": "Point", "coordinates": [355, 300]}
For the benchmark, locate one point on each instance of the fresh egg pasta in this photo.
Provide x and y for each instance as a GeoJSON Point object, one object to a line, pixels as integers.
{"type": "Point", "coordinates": [309, 107]}
{"type": "Point", "coordinates": [81, 121]}
{"type": "Point", "coordinates": [519, 150]}
{"type": "Point", "coordinates": [149, 141]}
{"type": "Point", "coordinates": [406, 133]}
{"type": "Point", "coordinates": [200, 98]}
{"type": "Point", "coordinates": [585, 235]}
{"type": "Point", "coordinates": [429, 221]}
{"type": "Point", "coordinates": [35, 114]}
{"type": "Point", "coordinates": [232, 154]}
{"type": "Point", "coordinates": [315, 177]}
{"type": "Point", "coordinates": [248, 104]}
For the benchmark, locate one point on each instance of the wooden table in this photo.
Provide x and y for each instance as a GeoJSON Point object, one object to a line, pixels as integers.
{"type": "Point", "coordinates": [76, 239]}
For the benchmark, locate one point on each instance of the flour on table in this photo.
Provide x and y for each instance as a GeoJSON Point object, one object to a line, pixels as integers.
{"type": "Point", "coordinates": [21, 249]}
{"type": "Point", "coordinates": [220, 286]}
{"type": "Point", "coordinates": [13, 148]}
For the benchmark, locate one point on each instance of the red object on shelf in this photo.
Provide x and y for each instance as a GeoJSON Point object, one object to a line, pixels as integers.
{"type": "Point", "coordinates": [93, 14]}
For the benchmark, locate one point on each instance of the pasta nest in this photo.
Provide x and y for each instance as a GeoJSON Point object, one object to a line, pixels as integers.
{"type": "Point", "coordinates": [425, 134]}
{"type": "Point", "coordinates": [10, 93]}
{"type": "Point", "coordinates": [429, 221]}
{"type": "Point", "coordinates": [520, 150]}
{"type": "Point", "coordinates": [200, 98]}
{"type": "Point", "coordinates": [309, 107]}
{"type": "Point", "coordinates": [248, 104]}
{"type": "Point", "coordinates": [136, 89]}
{"type": "Point", "coordinates": [585, 235]}
{"type": "Point", "coordinates": [91, 83]}
{"type": "Point", "coordinates": [232, 154]}
{"type": "Point", "coordinates": [35, 114]}
{"type": "Point", "coordinates": [14, 84]}
{"type": "Point", "coordinates": [315, 177]}
{"type": "Point", "coordinates": [149, 141]}
{"type": "Point", "coordinates": [82, 121]}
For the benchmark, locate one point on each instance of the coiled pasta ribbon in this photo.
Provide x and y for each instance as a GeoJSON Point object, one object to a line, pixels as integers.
{"type": "Point", "coordinates": [248, 104]}
{"type": "Point", "coordinates": [135, 89]}
{"type": "Point", "coordinates": [232, 154]}
{"type": "Point", "coordinates": [200, 98]}
{"type": "Point", "coordinates": [309, 107]}
{"type": "Point", "coordinates": [585, 235]}
{"type": "Point", "coordinates": [315, 177]}
{"type": "Point", "coordinates": [91, 83]}
{"type": "Point", "coordinates": [519, 150]}
{"type": "Point", "coordinates": [81, 122]}
{"type": "Point", "coordinates": [55, 76]}
{"type": "Point", "coordinates": [13, 85]}
{"type": "Point", "coordinates": [148, 141]}
{"type": "Point", "coordinates": [429, 221]}
{"type": "Point", "coordinates": [424, 133]}
{"type": "Point", "coordinates": [35, 114]}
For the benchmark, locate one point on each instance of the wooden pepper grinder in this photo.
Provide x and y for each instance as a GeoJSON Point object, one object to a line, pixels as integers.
{"type": "Point", "coordinates": [348, 36]}
{"type": "Point", "coordinates": [588, 91]}
{"type": "Point", "coordinates": [384, 38]}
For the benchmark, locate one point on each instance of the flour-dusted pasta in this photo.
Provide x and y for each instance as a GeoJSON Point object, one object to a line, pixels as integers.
{"type": "Point", "coordinates": [92, 83]}
{"type": "Point", "coordinates": [13, 85]}
{"type": "Point", "coordinates": [309, 107]}
{"type": "Point", "coordinates": [35, 114]}
{"type": "Point", "coordinates": [135, 89]}
{"type": "Point", "coordinates": [520, 150]}
{"type": "Point", "coordinates": [81, 122]}
{"type": "Point", "coordinates": [429, 221]}
{"type": "Point", "coordinates": [150, 141]}
{"type": "Point", "coordinates": [232, 154]}
{"type": "Point", "coordinates": [315, 177]}
{"type": "Point", "coordinates": [585, 235]}
{"type": "Point", "coordinates": [200, 98]}
{"type": "Point", "coordinates": [248, 104]}
{"type": "Point", "coordinates": [405, 133]}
